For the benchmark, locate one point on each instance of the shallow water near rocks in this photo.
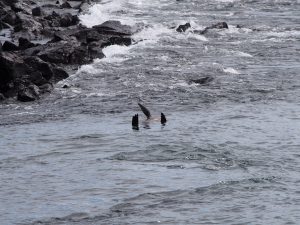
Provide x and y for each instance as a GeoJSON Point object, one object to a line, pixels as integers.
{"type": "Point", "coordinates": [229, 153]}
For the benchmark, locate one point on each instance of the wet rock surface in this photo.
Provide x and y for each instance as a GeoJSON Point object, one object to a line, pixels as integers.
{"type": "Point", "coordinates": [184, 27]}
{"type": "Point", "coordinates": [202, 80]}
{"type": "Point", "coordinates": [27, 69]}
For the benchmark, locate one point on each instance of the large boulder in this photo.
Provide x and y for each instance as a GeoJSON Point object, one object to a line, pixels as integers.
{"type": "Point", "coordinates": [59, 74]}
{"type": "Point", "coordinates": [10, 18]}
{"type": "Point", "coordinates": [37, 11]}
{"type": "Point", "coordinates": [27, 27]}
{"type": "Point", "coordinates": [95, 50]}
{"type": "Point", "coordinates": [202, 80]}
{"type": "Point", "coordinates": [220, 25]}
{"type": "Point", "coordinates": [36, 64]}
{"type": "Point", "coordinates": [17, 73]}
{"type": "Point", "coordinates": [29, 93]}
{"type": "Point", "coordinates": [11, 66]}
{"type": "Point", "coordinates": [24, 43]}
{"type": "Point", "coordinates": [9, 46]}
{"type": "Point", "coordinates": [64, 20]}
{"type": "Point", "coordinates": [66, 5]}
{"type": "Point", "coordinates": [65, 52]}
{"type": "Point", "coordinates": [113, 27]}
{"type": "Point", "coordinates": [183, 28]}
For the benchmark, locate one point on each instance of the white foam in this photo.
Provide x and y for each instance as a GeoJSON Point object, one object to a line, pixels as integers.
{"type": "Point", "coordinates": [231, 70]}
{"type": "Point", "coordinates": [104, 11]}
{"type": "Point", "coordinates": [244, 54]}
{"type": "Point", "coordinates": [229, 14]}
{"type": "Point", "coordinates": [87, 69]}
{"type": "Point", "coordinates": [153, 33]}
{"type": "Point", "coordinates": [114, 54]}
{"type": "Point", "coordinates": [197, 37]}
{"type": "Point", "coordinates": [137, 5]}
{"type": "Point", "coordinates": [97, 94]}
{"type": "Point", "coordinates": [292, 33]}
{"type": "Point", "coordinates": [76, 90]}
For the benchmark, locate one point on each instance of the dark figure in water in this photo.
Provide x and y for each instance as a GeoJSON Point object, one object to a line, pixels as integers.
{"type": "Point", "coordinates": [183, 28]}
{"type": "Point", "coordinates": [135, 118]}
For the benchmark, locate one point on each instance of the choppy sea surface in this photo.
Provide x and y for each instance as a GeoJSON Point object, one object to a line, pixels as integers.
{"type": "Point", "coordinates": [229, 153]}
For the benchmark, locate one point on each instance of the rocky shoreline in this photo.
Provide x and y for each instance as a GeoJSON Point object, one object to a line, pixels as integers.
{"type": "Point", "coordinates": [40, 44]}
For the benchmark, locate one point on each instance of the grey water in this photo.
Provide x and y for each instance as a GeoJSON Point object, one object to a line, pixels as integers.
{"type": "Point", "coordinates": [229, 153]}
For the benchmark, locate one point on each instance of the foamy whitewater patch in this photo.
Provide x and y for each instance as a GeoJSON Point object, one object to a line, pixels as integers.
{"type": "Point", "coordinates": [114, 54]}
{"type": "Point", "coordinates": [195, 26]}
{"type": "Point", "coordinates": [84, 69]}
{"type": "Point", "coordinates": [153, 34]}
{"type": "Point", "coordinates": [104, 11]}
{"type": "Point", "coordinates": [292, 33]}
{"type": "Point", "coordinates": [98, 94]}
{"type": "Point", "coordinates": [87, 69]}
{"type": "Point", "coordinates": [244, 54]}
{"type": "Point", "coordinates": [146, 5]}
{"type": "Point", "coordinates": [231, 70]}
{"type": "Point", "coordinates": [197, 37]}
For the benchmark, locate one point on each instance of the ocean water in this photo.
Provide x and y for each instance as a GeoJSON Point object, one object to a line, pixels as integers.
{"type": "Point", "coordinates": [229, 153]}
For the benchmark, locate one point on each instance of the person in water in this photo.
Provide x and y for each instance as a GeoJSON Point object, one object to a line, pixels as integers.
{"type": "Point", "coordinates": [135, 118]}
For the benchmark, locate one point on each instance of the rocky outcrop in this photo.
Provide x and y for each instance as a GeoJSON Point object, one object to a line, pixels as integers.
{"type": "Point", "coordinates": [29, 68]}
{"type": "Point", "coordinates": [183, 28]}
{"type": "Point", "coordinates": [220, 25]}
{"type": "Point", "coordinates": [202, 80]}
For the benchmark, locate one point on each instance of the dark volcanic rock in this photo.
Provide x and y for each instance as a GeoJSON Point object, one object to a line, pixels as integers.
{"type": "Point", "coordinates": [59, 74]}
{"type": "Point", "coordinates": [66, 86]}
{"type": "Point", "coordinates": [2, 97]}
{"type": "Point", "coordinates": [36, 64]}
{"type": "Point", "coordinates": [68, 20]}
{"type": "Point", "coordinates": [10, 18]}
{"type": "Point", "coordinates": [29, 93]}
{"type": "Point", "coordinates": [30, 69]}
{"type": "Point", "coordinates": [203, 80]}
{"type": "Point", "coordinates": [220, 25]}
{"type": "Point", "coordinates": [65, 52]}
{"type": "Point", "coordinates": [11, 65]}
{"type": "Point", "coordinates": [24, 43]}
{"type": "Point", "coordinates": [120, 41]}
{"type": "Point", "coordinates": [37, 11]}
{"type": "Point", "coordinates": [64, 20]}
{"type": "Point", "coordinates": [27, 27]}
{"type": "Point", "coordinates": [9, 46]}
{"type": "Point", "coordinates": [95, 50]}
{"type": "Point", "coordinates": [66, 5]}
{"type": "Point", "coordinates": [17, 73]}
{"type": "Point", "coordinates": [92, 35]}
{"type": "Point", "coordinates": [113, 27]}
{"type": "Point", "coordinates": [48, 87]}
{"type": "Point", "coordinates": [183, 28]}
